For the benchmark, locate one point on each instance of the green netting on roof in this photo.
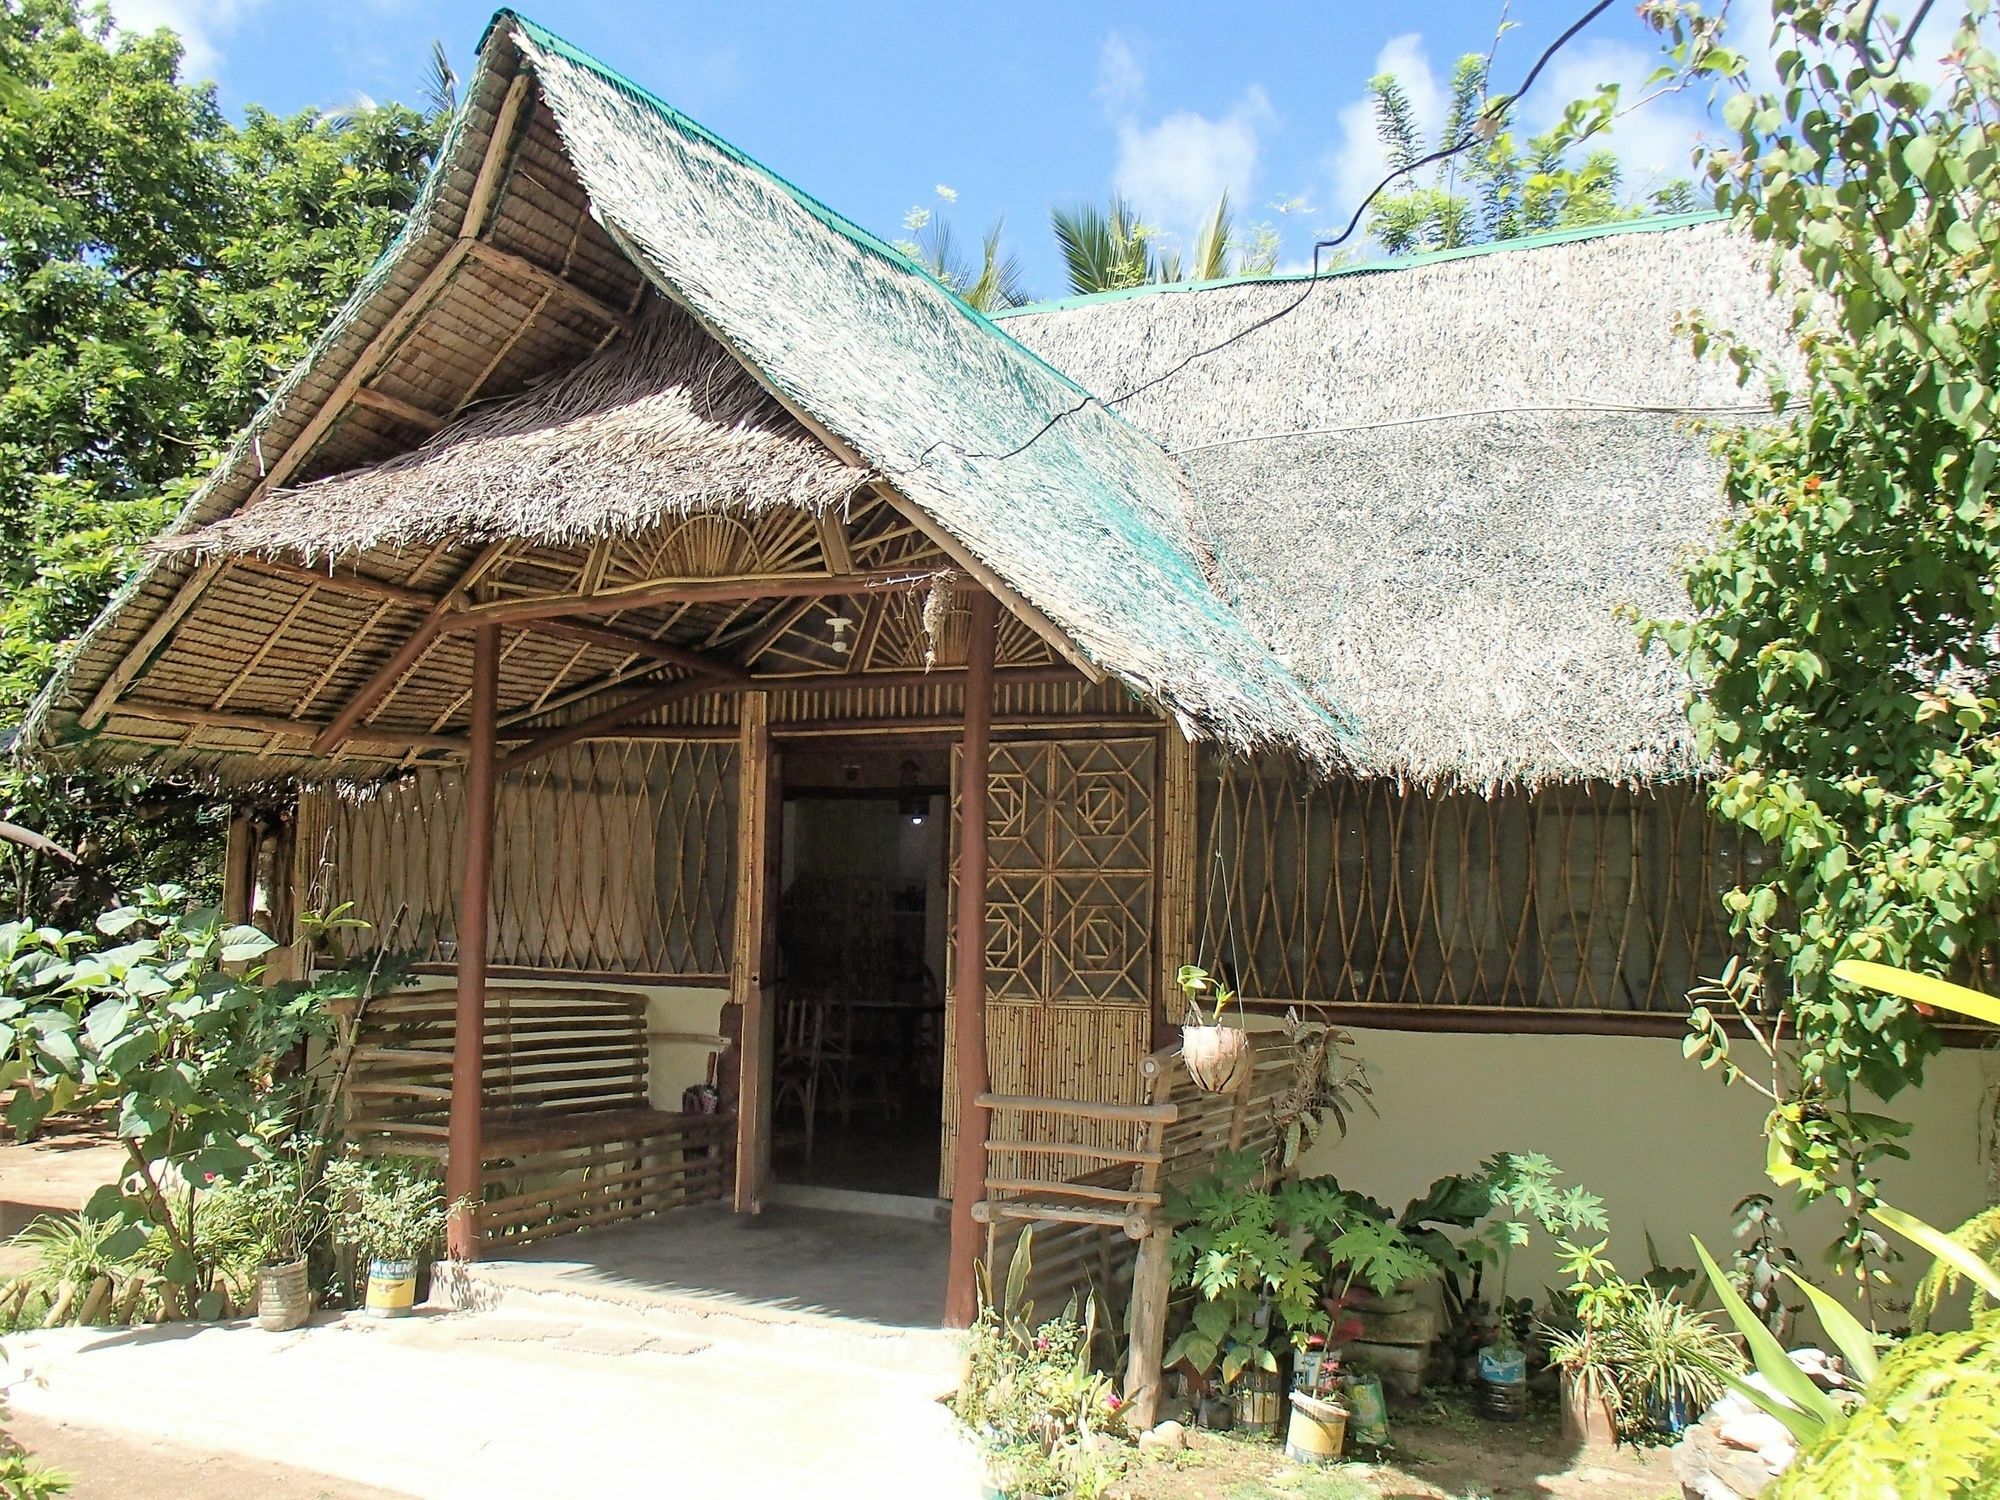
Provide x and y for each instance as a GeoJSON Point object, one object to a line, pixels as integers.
{"type": "Point", "coordinates": [1088, 520]}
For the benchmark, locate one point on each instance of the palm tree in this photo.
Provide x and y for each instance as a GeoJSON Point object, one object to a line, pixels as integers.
{"type": "Point", "coordinates": [1107, 250]}
{"type": "Point", "coordinates": [993, 282]}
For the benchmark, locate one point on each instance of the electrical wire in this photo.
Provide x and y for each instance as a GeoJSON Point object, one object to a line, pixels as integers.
{"type": "Point", "coordinates": [1482, 128]}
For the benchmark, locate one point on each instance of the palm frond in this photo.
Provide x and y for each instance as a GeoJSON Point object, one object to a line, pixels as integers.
{"type": "Point", "coordinates": [1395, 119]}
{"type": "Point", "coordinates": [1211, 246]}
{"type": "Point", "coordinates": [440, 86]}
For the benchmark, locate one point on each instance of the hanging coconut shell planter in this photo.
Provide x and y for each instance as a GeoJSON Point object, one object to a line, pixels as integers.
{"type": "Point", "coordinates": [1217, 1056]}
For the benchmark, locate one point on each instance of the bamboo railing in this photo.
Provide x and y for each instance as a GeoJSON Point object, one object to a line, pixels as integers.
{"type": "Point", "coordinates": [1105, 1228]}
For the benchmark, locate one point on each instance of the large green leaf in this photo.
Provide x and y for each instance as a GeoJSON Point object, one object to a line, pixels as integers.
{"type": "Point", "coordinates": [1944, 1247]}
{"type": "Point", "coordinates": [1856, 1343]}
{"type": "Point", "coordinates": [1791, 1384]}
{"type": "Point", "coordinates": [1921, 989]}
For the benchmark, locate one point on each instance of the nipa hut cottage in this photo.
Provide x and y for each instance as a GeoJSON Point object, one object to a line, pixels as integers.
{"type": "Point", "coordinates": [718, 653]}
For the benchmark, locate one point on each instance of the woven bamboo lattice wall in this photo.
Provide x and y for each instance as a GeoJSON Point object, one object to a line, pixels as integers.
{"type": "Point", "coordinates": [1581, 898]}
{"type": "Point", "coordinates": [1072, 849]}
{"type": "Point", "coordinates": [612, 857]}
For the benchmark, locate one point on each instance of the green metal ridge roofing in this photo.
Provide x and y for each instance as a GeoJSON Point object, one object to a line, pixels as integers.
{"type": "Point", "coordinates": [1653, 225]}
{"type": "Point", "coordinates": [831, 217]}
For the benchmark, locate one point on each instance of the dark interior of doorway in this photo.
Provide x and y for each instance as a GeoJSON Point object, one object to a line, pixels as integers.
{"type": "Point", "coordinates": [857, 1078]}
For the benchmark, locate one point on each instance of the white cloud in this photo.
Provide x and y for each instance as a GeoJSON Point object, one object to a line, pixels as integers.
{"type": "Point", "coordinates": [201, 25]}
{"type": "Point", "coordinates": [1359, 161]}
{"type": "Point", "coordinates": [1174, 169]}
{"type": "Point", "coordinates": [1121, 83]}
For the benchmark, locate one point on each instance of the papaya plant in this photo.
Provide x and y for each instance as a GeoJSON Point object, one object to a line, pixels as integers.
{"type": "Point", "coordinates": [163, 1018]}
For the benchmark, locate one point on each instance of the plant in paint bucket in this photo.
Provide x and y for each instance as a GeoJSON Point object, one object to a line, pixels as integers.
{"type": "Point", "coordinates": [392, 1211]}
{"type": "Point", "coordinates": [1216, 1055]}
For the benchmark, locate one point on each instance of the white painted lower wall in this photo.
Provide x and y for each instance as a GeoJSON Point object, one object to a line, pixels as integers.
{"type": "Point", "coordinates": [1669, 1147]}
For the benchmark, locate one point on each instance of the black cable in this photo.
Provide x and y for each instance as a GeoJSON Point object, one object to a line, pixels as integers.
{"type": "Point", "coordinates": [1488, 120]}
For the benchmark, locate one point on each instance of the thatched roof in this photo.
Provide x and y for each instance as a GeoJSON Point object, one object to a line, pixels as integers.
{"type": "Point", "coordinates": [530, 248]}
{"type": "Point", "coordinates": [1437, 490]}
{"type": "Point", "coordinates": [661, 424]}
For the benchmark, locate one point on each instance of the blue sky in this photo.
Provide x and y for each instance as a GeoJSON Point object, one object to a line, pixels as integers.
{"type": "Point", "coordinates": [871, 106]}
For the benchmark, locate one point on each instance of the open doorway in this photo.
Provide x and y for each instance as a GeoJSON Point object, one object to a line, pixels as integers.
{"type": "Point", "coordinates": [857, 1074]}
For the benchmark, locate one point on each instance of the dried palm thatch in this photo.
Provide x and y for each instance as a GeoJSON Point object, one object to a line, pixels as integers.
{"type": "Point", "coordinates": [1438, 492]}
{"type": "Point", "coordinates": [1087, 520]}
{"type": "Point", "coordinates": [662, 423]}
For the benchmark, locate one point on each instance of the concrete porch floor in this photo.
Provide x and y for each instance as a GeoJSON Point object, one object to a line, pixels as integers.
{"type": "Point", "coordinates": [787, 1262]}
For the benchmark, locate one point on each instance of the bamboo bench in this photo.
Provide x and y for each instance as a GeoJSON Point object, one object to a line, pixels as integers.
{"type": "Point", "coordinates": [569, 1137]}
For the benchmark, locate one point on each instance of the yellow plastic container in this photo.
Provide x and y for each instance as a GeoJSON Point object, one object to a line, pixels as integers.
{"type": "Point", "coordinates": [392, 1288]}
{"type": "Point", "coordinates": [1317, 1431]}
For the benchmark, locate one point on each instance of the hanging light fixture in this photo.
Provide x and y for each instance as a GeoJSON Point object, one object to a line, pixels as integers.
{"type": "Point", "coordinates": [913, 804]}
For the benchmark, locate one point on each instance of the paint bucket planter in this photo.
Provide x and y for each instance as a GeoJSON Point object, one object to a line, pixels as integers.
{"type": "Point", "coordinates": [284, 1299]}
{"type": "Point", "coordinates": [1317, 1431]}
{"type": "Point", "coordinates": [1257, 1402]}
{"type": "Point", "coordinates": [1216, 1056]}
{"type": "Point", "coordinates": [392, 1288]}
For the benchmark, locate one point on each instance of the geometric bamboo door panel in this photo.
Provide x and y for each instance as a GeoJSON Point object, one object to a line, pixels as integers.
{"type": "Point", "coordinates": [1072, 848]}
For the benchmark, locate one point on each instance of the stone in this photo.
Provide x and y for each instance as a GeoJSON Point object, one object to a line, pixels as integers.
{"type": "Point", "coordinates": [1754, 1431]}
{"type": "Point", "coordinates": [1413, 1328]}
{"type": "Point", "coordinates": [1168, 1437]}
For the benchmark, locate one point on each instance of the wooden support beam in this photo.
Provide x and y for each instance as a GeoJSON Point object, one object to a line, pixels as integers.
{"type": "Point", "coordinates": [622, 712]}
{"type": "Point", "coordinates": [346, 583]}
{"type": "Point", "coordinates": [753, 970]}
{"type": "Point", "coordinates": [402, 411]}
{"type": "Point", "coordinates": [209, 718]}
{"type": "Point", "coordinates": [385, 677]}
{"type": "Point", "coordinates": [639, 645]}
{"type": "Point", "coordinates": [1152, 1282]}
{"type": "Point", "coordinates": [833, 542]}
{"type": "Point", "coordinates": [961, 1303]}
{"type": "Point", "coordinates": [499, 153]}
{"type": "Point", "coordinates": [464, 1146]}
{"type": "Point", "coordinates": [693, 591]}
{"type": "Point", "coordinates": [545, 280]}
{"type": "Point", "coordinates": [136, 657]}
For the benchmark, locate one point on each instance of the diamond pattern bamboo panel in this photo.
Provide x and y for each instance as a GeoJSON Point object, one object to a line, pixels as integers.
{"type": "Point", "coordinates": [611, 857]}
{"type": "Point", "coordinates": [1070, 910]}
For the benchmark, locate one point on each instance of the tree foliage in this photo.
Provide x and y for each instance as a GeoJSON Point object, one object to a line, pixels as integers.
{"type": "Point", "coordinates": [1111, 248]}
{"type": "Point", "coordinates": [160, 268]}
{"type": "Point", "coordinates": [1843, 632]}
{"type": "Point", "coordinates": [1500, 187]}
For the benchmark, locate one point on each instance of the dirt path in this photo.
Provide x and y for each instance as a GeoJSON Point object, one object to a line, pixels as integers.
{"type": "Point", "coordinates": [120, 1466]}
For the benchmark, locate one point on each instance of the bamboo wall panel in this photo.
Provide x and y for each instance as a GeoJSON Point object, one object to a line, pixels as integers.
{"type": "Point", "coordinates": [1576, 898]}
{"type": "Point", "coordinates": [1072, 850]}
{"type": "Point", "coordinates": [612, 857]}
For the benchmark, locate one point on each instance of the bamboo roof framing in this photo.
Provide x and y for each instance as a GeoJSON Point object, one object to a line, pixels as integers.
{"type": "Point", "coordinates": [536, 413]}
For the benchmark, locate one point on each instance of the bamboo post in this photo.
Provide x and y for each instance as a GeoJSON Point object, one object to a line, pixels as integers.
{"type": "Point", "coordinates": [753, 963]}
{"type": "Point", "coordinates": [468, 1046]}
{"type": "Point", "coordinates": [968, 1182]}
{"type": "Point", "coordinates": [1152, 1280]}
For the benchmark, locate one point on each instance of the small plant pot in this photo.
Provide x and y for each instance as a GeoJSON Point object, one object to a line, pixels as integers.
{"type": "Point", "coordinates": [1317, 1431]}
{"type": "Point", "coordinates": [1367, 1411]}
{"type": "Point", "coordinates": [284, 1298]}
{"type": "Point", "coordinates": [1215, 1413]}
{"type": "Point", "coordinates": [1216, 1056]}
{"type": "Point", "coordinates": [1257, 1402]}
{"type": "Point", "coordinates": [392, 1288]}
{"type": "Point", "coordinates": [1503, 1400]}
{"type": "Point", "coordinates": [1587, 1418]}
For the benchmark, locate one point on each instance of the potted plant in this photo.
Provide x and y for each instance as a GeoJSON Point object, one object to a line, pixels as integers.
{"type": "Point", "coordinates": [1217, 1056]}
{"type": "Point", "coordinates": [282, 1215]}
{"type": "Point", "coordinates": [392, 1211]}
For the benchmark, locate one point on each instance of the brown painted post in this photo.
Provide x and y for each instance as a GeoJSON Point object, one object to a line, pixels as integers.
{"type": "Point", "coordinates": [1152, 1280]}
{"type": "Point", "coordinates": [463, 1144]}
{"type": "Point", "coordinates": [968, 1179]}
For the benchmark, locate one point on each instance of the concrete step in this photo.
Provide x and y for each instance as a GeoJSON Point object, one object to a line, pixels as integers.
{"type": "Point", "coordinates": [519, 1295]}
